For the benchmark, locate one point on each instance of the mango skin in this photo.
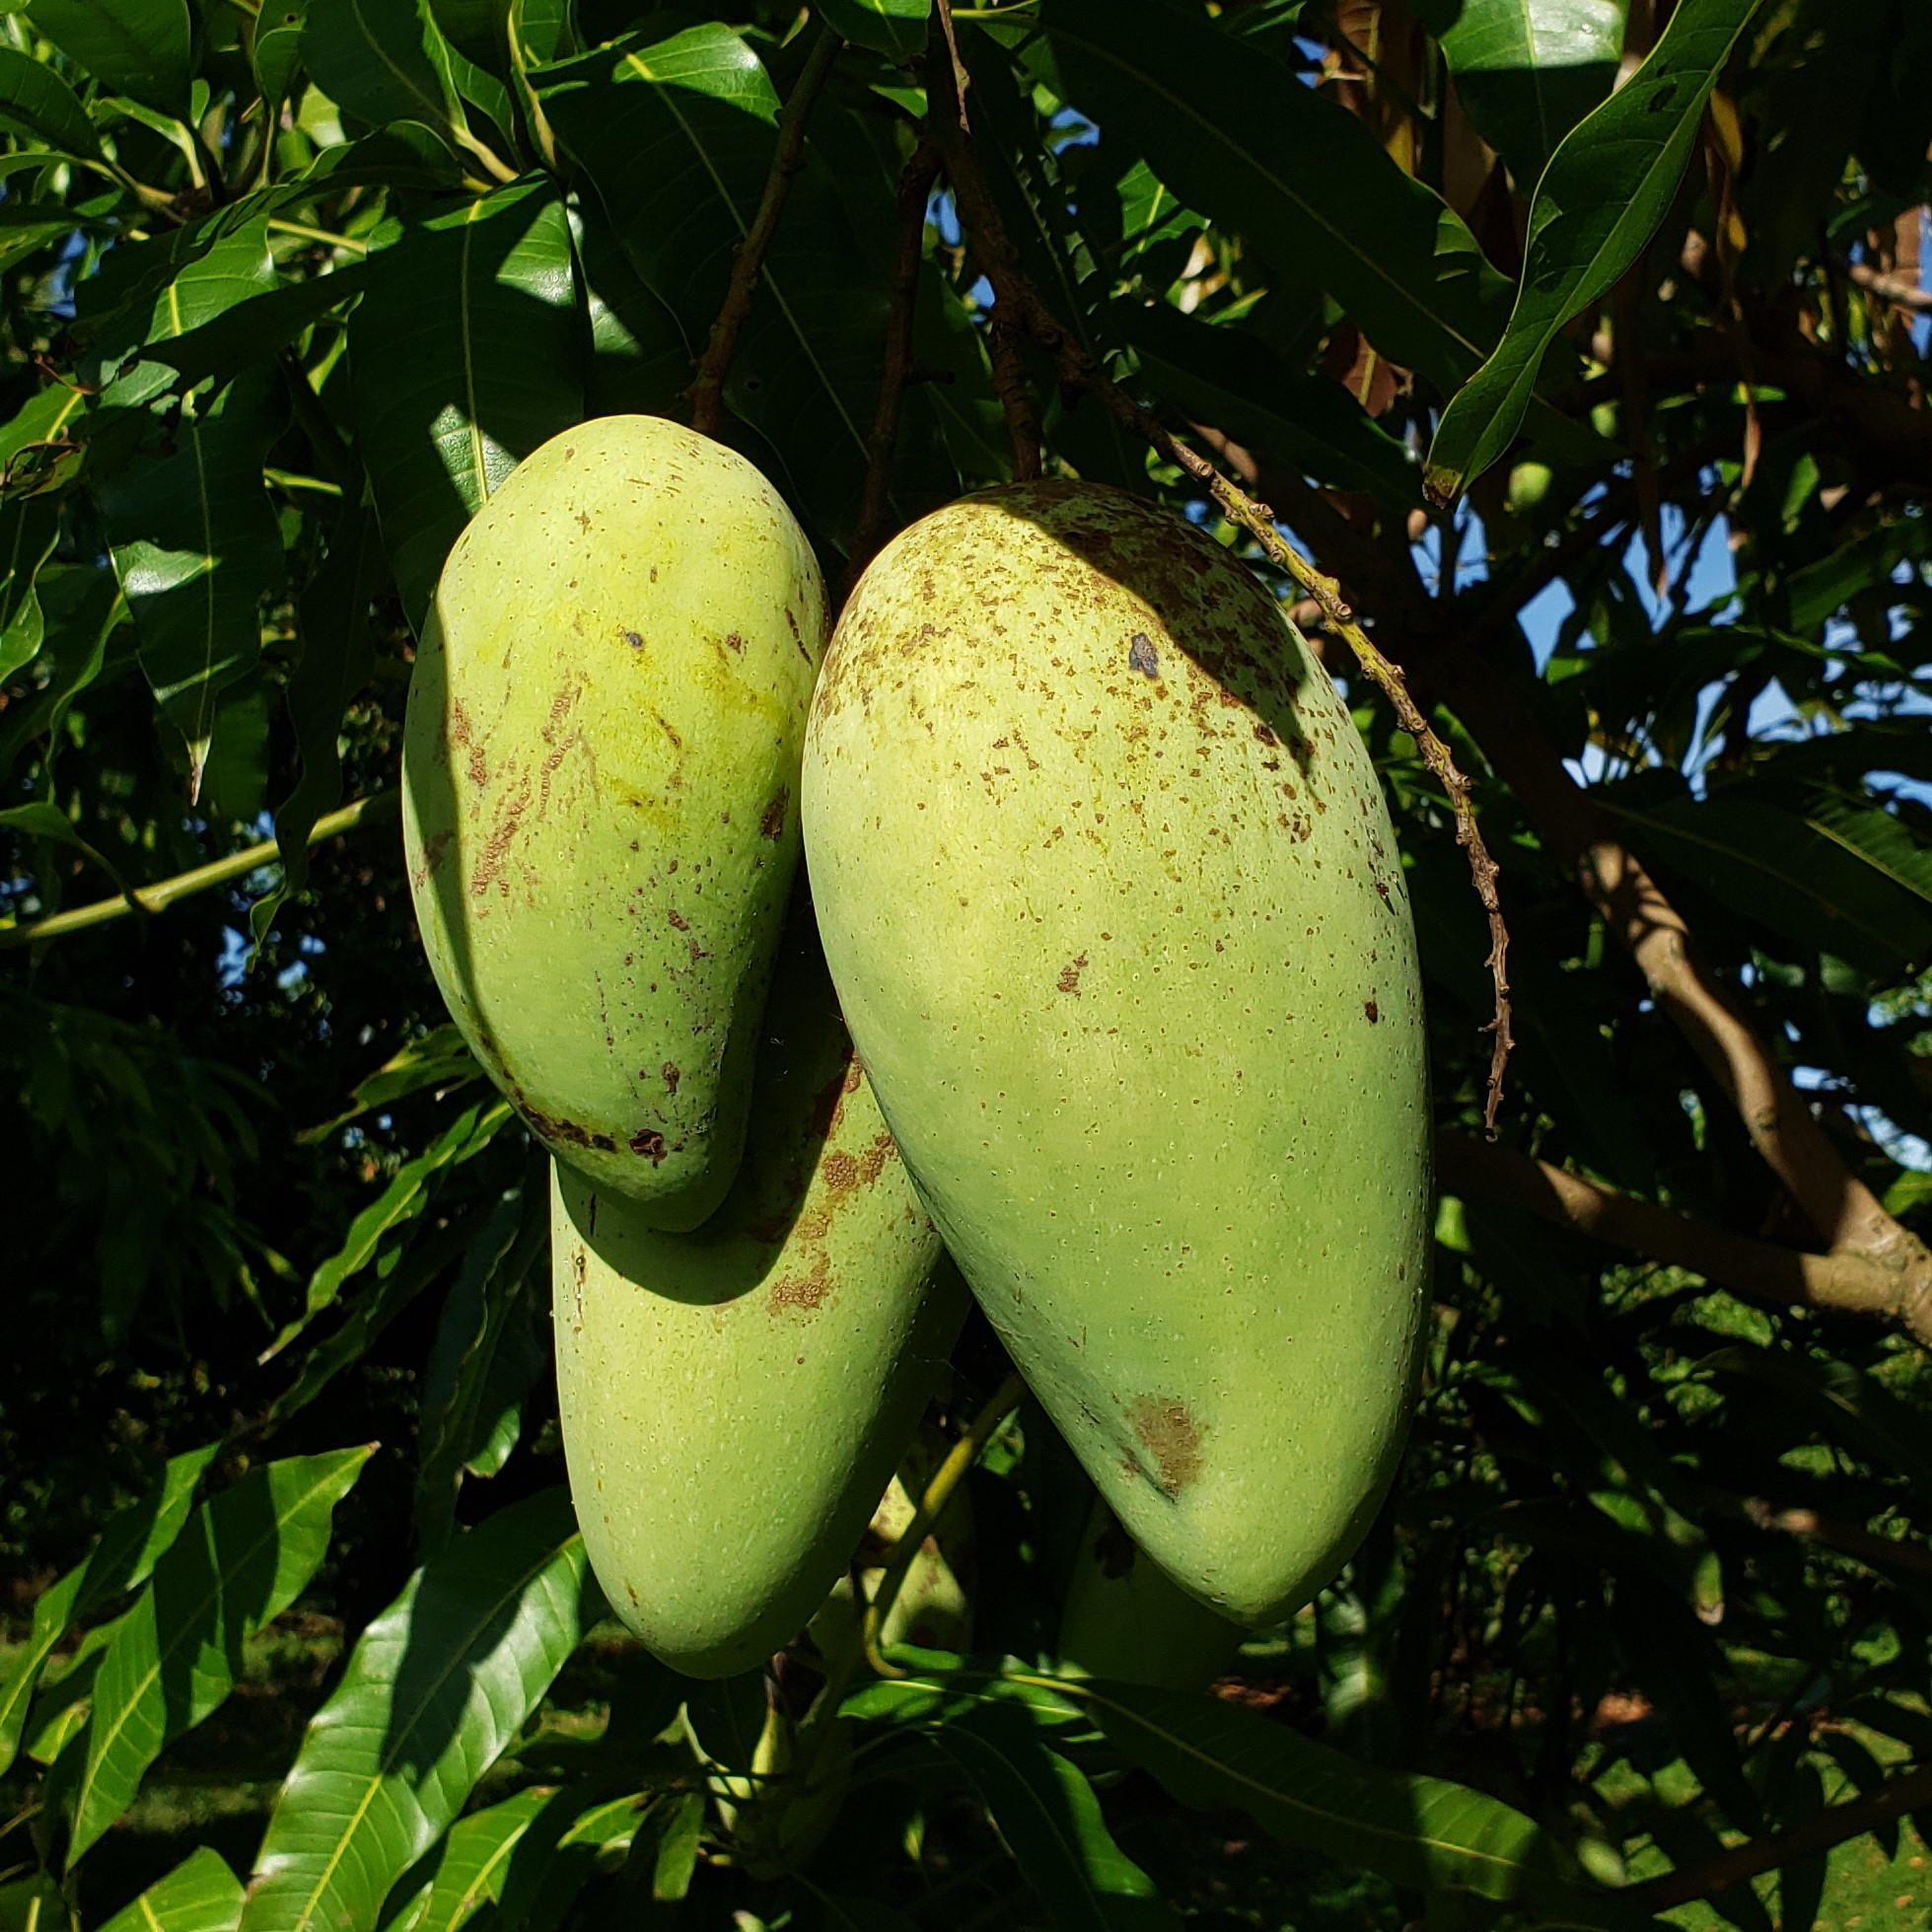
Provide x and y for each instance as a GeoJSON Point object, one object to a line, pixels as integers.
{"type": "Point", "coordinates": [734, 1401]}
{"type": "Point", "coordinates": [1116, 915]}
{"type": "Point", "coordinates": [1126, 1619]}
{"type": "Point", "coordinates": [599, 773]}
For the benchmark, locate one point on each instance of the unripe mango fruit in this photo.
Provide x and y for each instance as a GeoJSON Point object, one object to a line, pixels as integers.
{"type": "Point", "coordinates": [1116, 918]}
{"type": "Point", "coordinates": [734, 1400]}
{"type": "Point", "coordinates": [599, 773]}
{"type": "Point", "coordinates": [1125, 1618]}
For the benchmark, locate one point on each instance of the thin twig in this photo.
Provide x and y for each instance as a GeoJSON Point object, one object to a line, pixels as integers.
{"type": "Point", "coordinates": [946, 93]}
{"type": "Point", "coordinates": [1902, 291]}
{"type": "Point", "coordinates": [1818, 1832]}
{"type": "Point", "coordinates": [979, 216]}
{"type": "Point", "coordinates": [707, 389]}
{"type": "Point", "coordinates": [377, 807]}
{"type": "Point", "coordinates": [1785, 1277]}
{"type": "Point", "coordinates": [875, 500]}
{"type": "Point", "coordinates": [938, 1493]}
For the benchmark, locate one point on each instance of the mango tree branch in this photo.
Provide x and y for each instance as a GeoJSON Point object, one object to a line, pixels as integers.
{"type": "Point", "coordinates": [876, 501]}
{"type": "Point", "coordinates": [939, 1492]}
{"type": "Point", "coordinates": [1015, 294]}
{"type": "Point", "coordinates": [1819, 1832]}
{"type": "Point", "coordinates": [707, 389]}
{"type": "Point", "coordinates": [377, 809]}
{"type": "Point", "coordinates": [1847, 1283]}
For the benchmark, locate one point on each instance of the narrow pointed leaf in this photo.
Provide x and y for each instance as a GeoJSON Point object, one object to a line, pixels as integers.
{"type": "Point", "coordinates": [1599, 200]}
{"type": "Point", "coordinates": [436, 1688]}
{"type": "Point", "coordinates": [1235, 133]}
{"type": "Point", "coordinates": [1050, 1820]}
{"type": "Point", "coordinates": [200, 1894]}
{"type": "Point", "coordinates": [466, 356]}
{"type": "Point", "coordinates": [175, 1656]}
{"type": "Point", "coordinates": [196, 546]}
{"type": "Point", "coordinates": [35, 102]}
{"type": "Point", "coordinates": [1529, 70]}
{"type": "Point", "coordinates": [470, 1866]}
{"type": "Point", "coordinates": [138, 48]}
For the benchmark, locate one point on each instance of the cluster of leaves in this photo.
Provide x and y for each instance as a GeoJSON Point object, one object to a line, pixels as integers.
{"type": "Point", "coordinates": [285, 292]}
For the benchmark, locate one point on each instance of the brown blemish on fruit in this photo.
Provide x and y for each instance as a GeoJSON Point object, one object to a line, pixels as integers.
{"type": "Point", "coordinates": [841, 1173]}
{"type": "Point", "coordinates": [773, 821]}
{"type": "Point", "coordinates": [678, 921]}
{"type": "Point", "coordinates": [1372, 1010]}
{"type": "Point", "coordinates": [671, 1077]}
{"type": "Point", "coordinates": [634, 639]}
{"type": "Point", "coordinates": [872, 1161]}
{"type": "Point", "coordinates": [797, 638]}
{"type": "Point", "coordinates": [554, 1126]}
{"type": "Point", "coordinates": [734, 642]}
{"type": "Point", "coordinates": [434, 848]}
{"type": "Point", "coordinates": [1069, 980]}
{"type": "Point", "coordinates": [1142, 655]}
{"type": "Point", "coordinates": [1171, 1436]}
{"type": "Point", "coordinates": [803, 1292]}
{"type": "Point", "coordinates": [649, 1143]}
{"type": "Point", "coordinates": [496, 848]}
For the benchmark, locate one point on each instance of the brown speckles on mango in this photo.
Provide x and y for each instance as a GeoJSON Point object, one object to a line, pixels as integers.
{"type": "Point", "coordinates": [840, 1171]}
{"type": "Point", "coordinates": [649, 1145]}
{"type": "Point", "coordinates": [669, 1076]}
{"type": "Point", "coordinates": [1170, 1434]}
{"type": "Point", "coordinates": [802, 1294]}
{"type": "Point", "coordinates": [1069, 979]}
{"type": "Point", "coordinates": [772, 824]}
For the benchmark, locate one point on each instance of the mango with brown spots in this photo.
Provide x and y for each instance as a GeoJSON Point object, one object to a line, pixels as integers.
{"type": "Point", "coordinates": [735, 1401]}
{"type": "Point", "coordinates": [600, 765]}
{"type": "Point", "coordinates": [1117, 920]}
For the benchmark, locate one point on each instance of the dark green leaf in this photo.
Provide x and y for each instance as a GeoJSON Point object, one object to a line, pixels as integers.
{"type": "Point", "coordinates": [436, 1688]}
{"type": "Point", "coordinates": [138, 48]}
{"type": "Point", "coordinates": [196, 546]}
{"type": "Point", "coordinates": [485, 1356]}
{"type": "Point", "coordinates": [44, 821]}
{"type": "Point", "coordinates": [278, 48]}
{"type": "Point", "coordinates": [1230, 130]}
{"type": "Point", "coordinates": [382, 59]}
{"type": "Point", "coordinates": [470, 1866]}
{"type": "Point", "coordinates": [1529, 70]}
{"type": "Point", "coordinates": [200, 1894]}
{"type": "Point", "coordinates": [894, 28]}
{"type": "Point", "coordinates": [36, 103]}
{"type": "Point", "coordinates": [438, 1060]}
{"type": "Point", "coordinates": [466, 357]}
{"type": "Point", "coordinates": [29, 527]}
{"type": "Point", "coordinates": [175, 1656]}
{"type": "Point", "coordinates": [1606, 190]}
{"type": "Point", "coordinates": [1050, 1820]}
{"type": "Point", "coordinates": [257, 323]}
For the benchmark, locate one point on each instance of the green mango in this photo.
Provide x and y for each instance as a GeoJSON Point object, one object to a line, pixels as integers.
{"type": "Point", "coordinates": [734, 1400]}
{"type": "Point", "coordinates": [599, 766]}
{"type": "Point", "coordinates": [1126, 1619]}
{"type": "Point", "coordinates": [1116, 918]}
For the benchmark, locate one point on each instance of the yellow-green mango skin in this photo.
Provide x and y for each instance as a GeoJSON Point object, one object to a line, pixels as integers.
{"type": "Point", "coordinates": [1116, 918]}
{"type": "Point", "coordinates": [734, 1401]}
{"type": "Point", "coordinates": [1126, 1619]}
{"type": "Point", "coordinates": [600, 782]}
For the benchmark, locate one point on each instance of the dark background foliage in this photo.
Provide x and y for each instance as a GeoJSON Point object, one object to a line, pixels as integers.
{"type": "Point", "coordinates": [285, 292]}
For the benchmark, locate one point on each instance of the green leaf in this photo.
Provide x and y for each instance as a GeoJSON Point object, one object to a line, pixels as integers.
{"type": "Point", "coordinates": [405, 1197]}
{"type": "Point", "coordinates": [1806, 877]}
{"type": "Point", "coordinates": [257, 323]}
{"type": "Point", "coordinates": [438, 1060]}
{"type": "Point", "coordinates": [436, 1688]}
{"type": "Point", "coordinates": [135, 1539]}
{"type": "Point", "coordinates": [380, 59]}
{"type": "Point", "coordinates": [35, 102]}
{"type": "Point", "coordinates": [200, 1894]}
{"type": "Point", "coordinates": [138, 48]}
{"type": "Point", "coordinates": [338, 655]}
{"type": "Point", "coordinates": [196, 546]}
{"type": "Point", "coordinates": [1050, 1820]}
{"type": "Point", "coordinates": [1415, 1831]}
{"type": "Point", "coordinates": [277, 49]}
{"type": "Point", "coordinates": [159, 289]}
{"type": "Point", "coordinates": [1529, 70]}
{"type": "Point", "coordinates": [485, 1356]}
{"type": "Point", "coordinates": [677, 138]}
{"type": "Point", "coordinates": [42, 820]}
{"type": "Point", "coordinates": [466, 356]}
{"type": "Point", "coordinates": [29, 527]}
{"type": "Point", "coordinates": [1599, 200]}
{"type": "Point", "coordinates": [894, 28]}
{"type": "Point", "coordinates": [175, 1656]}
{"type": "Point", "coordinates": [676, 1860]}
{"type": "Point", "coordinates": [1229, 377]}
{"type": "Point", "coordinates": [1233, 133]}
{"type": "Point", "coordinates": [470, 1865]}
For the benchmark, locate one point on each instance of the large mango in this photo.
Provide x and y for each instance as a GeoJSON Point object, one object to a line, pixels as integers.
{"type": "Point", "coordinates": [600, 774]}
{"type": "Point", "coordinates": [1116, 918]}
{"type": "Point", "coordinates": [734, 1401]}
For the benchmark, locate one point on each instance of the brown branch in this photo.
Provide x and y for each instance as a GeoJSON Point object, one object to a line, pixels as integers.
{"type": "Point", "coordinates": [1849, 1283]}
{"type": "Point", "coordinates": [1014, 293]}
{"type": "Point", "coordinates": [707, 389]}
{"type": "Point", "coordinates": [875, 500]}
{"type": "Point", "coordinates": [1902, 291]}
{"type": "Point", "coordinates": [1852, 1539]}
{"type": "Point", "coordinates": [1819, 1832]}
